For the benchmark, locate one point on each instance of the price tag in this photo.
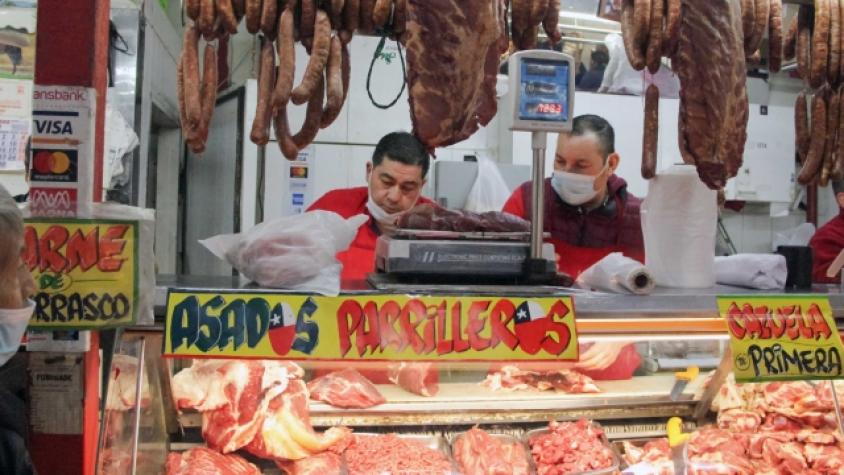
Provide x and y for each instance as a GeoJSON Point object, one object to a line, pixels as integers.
{"type": "Point", "coordinates": [784, 337]}
{"type": "Point", "coordinates": [85, 271]}
{"type": "Point", "coordinates": [369, 327]}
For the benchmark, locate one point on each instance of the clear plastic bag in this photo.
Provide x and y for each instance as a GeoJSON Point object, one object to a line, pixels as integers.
{"type": "Point", "coordinates": [490, 191]}
{"type": "Point", "coordinates": [295, 252]}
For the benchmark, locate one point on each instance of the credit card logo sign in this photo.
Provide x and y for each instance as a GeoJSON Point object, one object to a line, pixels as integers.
{"type": "Point", "coordinates": [53, 202]}
{"type": "Point", "coordinates": [54, 166]}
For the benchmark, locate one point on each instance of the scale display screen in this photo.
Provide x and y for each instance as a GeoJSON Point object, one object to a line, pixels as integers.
{"type": "Point", "coordinates": [544, 90]}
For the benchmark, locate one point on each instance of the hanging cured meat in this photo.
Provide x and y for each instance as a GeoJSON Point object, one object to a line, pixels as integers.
{"type": "Point", "coordinates": [452, 57]}
{"type": "Point", "coordinates": [713, 95]}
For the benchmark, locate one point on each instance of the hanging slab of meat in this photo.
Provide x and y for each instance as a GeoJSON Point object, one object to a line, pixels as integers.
{"type": "Point", "coordinates": [570, 447]}
{"type": "Point", "coordinates": [656, 453]}
{"type": "Point", "coordinates": [436, 218]}
{"type": "Point", "coordinates": [326, 463]}
{"type": "Point", "coordinates": [511, 378]}
{"type": "Point", "coordinates": [392, 454]}
{"type": "Point", "coordinates": [203, 461]}
{"type": "Point", "coordinates": [347, 389]}
{"type": "Point", "coordinates": [713, 96]}
{"type": "Point", "coordinates": [452, 59]}
{"type": "Point", "coordinates": [479, 453]}
{"type": "Point", "coordinates": [418, 378]}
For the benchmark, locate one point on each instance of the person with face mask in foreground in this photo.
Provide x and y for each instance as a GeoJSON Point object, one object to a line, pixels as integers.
{"type": "Point", "coordinates": [589, 214]}
{"type": "Point", "coordinates": [395, 178]}
{"type": "Point", "coordinates": [16, 286]}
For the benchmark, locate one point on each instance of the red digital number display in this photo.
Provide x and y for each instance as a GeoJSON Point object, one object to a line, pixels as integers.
{"type": "Point", "coordinates": [554, 109]}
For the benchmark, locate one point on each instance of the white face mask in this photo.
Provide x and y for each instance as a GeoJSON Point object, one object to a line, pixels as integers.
{"type": "Point", "coordinates": [387, 221]}
{"type": "Point", "coordinates": [573, 188]}
{"type": "Point", "coordinates": [13, 324]}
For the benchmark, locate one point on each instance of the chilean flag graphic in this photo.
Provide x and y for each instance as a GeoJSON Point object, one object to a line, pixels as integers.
{"type": "Point", "coordinates": [531, 326]}
{"type": "Point", "coordinates": [282, 328]}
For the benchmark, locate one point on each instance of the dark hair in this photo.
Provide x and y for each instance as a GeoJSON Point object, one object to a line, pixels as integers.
{"type": "Point", "coordinates": [837, 186]}
{"type": "Point", "coordinates": [402, 147]}
{"type": "Point", "coordinates": [593, 124]}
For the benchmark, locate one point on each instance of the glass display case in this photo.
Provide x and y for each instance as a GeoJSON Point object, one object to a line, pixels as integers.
{"type": "Point", "coordinates": [642, 362]}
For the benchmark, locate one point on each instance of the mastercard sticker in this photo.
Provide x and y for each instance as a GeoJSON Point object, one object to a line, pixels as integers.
{"type": "Point", "coordinates": [54, 165]}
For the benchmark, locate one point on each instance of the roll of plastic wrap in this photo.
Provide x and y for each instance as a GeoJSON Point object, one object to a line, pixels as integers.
{"type": "Point", "coordinates": [617, 273]}
{"type": "Point", "coordinates": [679, 221]}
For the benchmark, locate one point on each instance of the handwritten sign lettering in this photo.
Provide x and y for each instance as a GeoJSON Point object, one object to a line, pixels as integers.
{"type": "Point", "coordinates": [370, 327]}
{"type": "Point", "coordinates": [782, 337]}
{"type": "Point", "coordinates": [85, 272]}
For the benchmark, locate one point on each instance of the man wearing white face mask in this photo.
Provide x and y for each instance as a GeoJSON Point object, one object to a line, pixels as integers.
{"type": "Point", "coordinates": [16, 285]}
{"type": "Point", "coordinates": [395, 178]}
{"type": "Point", "coordinates": [589, 214]}
{"type": "Point", "coordinates": [588, 210]}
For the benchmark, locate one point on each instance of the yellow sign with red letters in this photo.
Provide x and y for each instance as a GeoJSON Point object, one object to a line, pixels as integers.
{"type": "Point", "coordinates": [85, 271]}
{"type": "Point", "coordinates": [369, 327]}
{"type": "Point", "coordinates": [783, 337]}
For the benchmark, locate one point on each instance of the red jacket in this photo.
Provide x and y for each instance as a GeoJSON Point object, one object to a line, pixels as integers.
{"type": "Point", "coordinates": [359, 259]}
{"type": "Point", "coordinates": [581, 237]}
{"type": "Point", "coordinates": [826, 244]}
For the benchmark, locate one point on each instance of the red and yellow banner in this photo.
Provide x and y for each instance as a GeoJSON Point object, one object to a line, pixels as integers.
{"type": "Point", "coordinates": [369, 327]}
{"type": "Point", "coordinates": [85, 271]}
{"type": "Point", "coordinates": [784, 337]}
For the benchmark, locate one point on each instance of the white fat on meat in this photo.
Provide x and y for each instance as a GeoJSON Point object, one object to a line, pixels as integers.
{"type": "Point", "coordinates": [202, 386]}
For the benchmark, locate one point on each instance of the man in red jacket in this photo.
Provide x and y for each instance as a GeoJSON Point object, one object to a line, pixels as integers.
{"type": "Point", "coordinates": [828, 241]}
{"type": "Point", "coordinates": [395, 178]}
{"type": "Point", "coordinates": [589, 214]}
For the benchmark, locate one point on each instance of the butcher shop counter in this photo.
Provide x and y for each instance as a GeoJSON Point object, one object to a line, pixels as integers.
{"type": "Point", "coordinates": [665, 333]}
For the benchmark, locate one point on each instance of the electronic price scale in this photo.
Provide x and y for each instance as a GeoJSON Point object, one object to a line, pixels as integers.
{"type": "Point", "coordinates": [541, 88]}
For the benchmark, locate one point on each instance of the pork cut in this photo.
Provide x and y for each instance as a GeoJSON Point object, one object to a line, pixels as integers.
{"type": "Point", "coordinates": [452, 64]}
{"type": "Point", "coordinates": [418, 378]}
{"type": "Point", "coordinates": [347, 389]}
{"type": "Point", "coordinates": [713, 95]}
{"type": "Point", "coordinates": [431, 217]}
{"type": "Point", "coordinates": [479, 453]}
{"type": "Point", "coordinates": [570, 447]}
{"type": "Point", "coordinates": [512, 378]}
{"type": "Point", "coordinates": [204, 461]}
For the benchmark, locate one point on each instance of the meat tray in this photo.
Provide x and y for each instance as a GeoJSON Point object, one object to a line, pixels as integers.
{"type": "Point", "coordinates": [431, 441]}
{"type": "Point", "coordinates": [614, 468]}
{"type": "Point", "coordinates": [504, 438]}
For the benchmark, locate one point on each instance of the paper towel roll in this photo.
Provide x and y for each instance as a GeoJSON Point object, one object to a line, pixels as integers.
{"type": "Point", "coordinates": [679, 222]}
{"type": "Point", "coordinates": [620, 274]}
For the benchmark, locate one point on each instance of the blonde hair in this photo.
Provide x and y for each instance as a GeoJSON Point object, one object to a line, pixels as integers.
{"type": "Point", "coordinates": [11, 230]}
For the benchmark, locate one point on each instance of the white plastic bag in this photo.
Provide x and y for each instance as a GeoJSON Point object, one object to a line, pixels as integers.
{"type": "Point", "coordinates": [799, 236]}
{"type": "Point", "coordinates": [295, 252]}
{"type": "Point", "coordinates": [490, 191]}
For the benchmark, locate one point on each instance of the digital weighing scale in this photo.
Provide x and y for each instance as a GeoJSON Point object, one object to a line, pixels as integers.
{"type": "Point", "coordinates": [541, 87]}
